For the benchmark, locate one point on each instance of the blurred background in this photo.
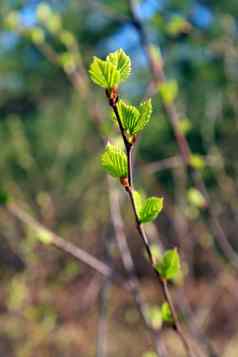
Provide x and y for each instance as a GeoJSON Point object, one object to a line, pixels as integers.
{"type": "Point", "coordinates": [53, 126]}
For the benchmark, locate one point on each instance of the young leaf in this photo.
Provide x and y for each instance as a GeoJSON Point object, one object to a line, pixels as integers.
{"type": "Point", "coordinates": [114, 161]}
{"type": "Point", "coordinates": [197, 162]}
{"type": "Point", "coordinates": [178, 25]}
{"type": "Point", "coordinates": [151, 209]}
{"type": "Point", "coordinates": [129, 116]}
{"type": "Point", "coordinates": [196, 198]}
{"type": "Point", "coordinates": [44, 236]}
{"type": "Point", "coordinates": [122, 63]}
{"type": "Point", "coordinates": [138, 202]}
{"type": "Point", "coordinates": [155, 252]}
{"type": "Point", "coordinates": [150, 354]}
{"type": "Point", "coordinates": [166, 313]}
{"type": "Point", "coordinates": [134, 119]}
{"type": "Point", "coordinates": [145, 109]}
{"type": "Point", "coordinates": [154, 316]}
{"type": "Point", "coordinates": [104, 73]}
{"type": "Point", "coordinates": [170, 265]}
{"type": "Point", "coordinates": [168, 91]}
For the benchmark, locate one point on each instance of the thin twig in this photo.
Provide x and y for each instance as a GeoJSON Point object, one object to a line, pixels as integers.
{"type": "Point", "coordinates": [130, 267]}
{"type": "Point", "coordinates": [163, 283]}
{"type": "Point", "coordinates": [61, 243]}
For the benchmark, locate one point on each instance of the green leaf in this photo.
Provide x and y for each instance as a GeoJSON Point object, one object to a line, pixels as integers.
{"type": "Point", "coordinates": [184, 125]}
{"type": "Point", "coordinates": [43, 12]}
{"type": "Point", "coordinates": [154, 316]}
{"type": "Point", "coordinates": [145, 109]}
{"type": "Point", "coordinates": [151, 209]}
{"type": "Point", "coordinates": [155, 252]}
{"type": "Point", "coordinates": [129, 116]}
{"type": "Point", "coordinates": [168, 91]}
{"type": "Point", "coordinates": [114, 161]}
{"type": "Point", "coordinates": [170, 265]}
{"type": "Point", "coordinates": [134, 119]}
{"type": "Point", "coordinates": [196, 198]}
{"type": "Point", "coordinates": [166, 313]}
{"type": "Point", "coordinates": [104, 73]}
{"type": "Point", "coordinates": [37, 35]}
{"type": "Point", "coordinates": [138, 201]}
{"type": "Point", "coordinates": [12, 20]}
{"type": "Point", "coordinates": [44, 236]}
{"type": "Point", "coordinates": [150, 354]}
{"type": "Point", "coordinates": [178, 25]}
{"type": "Point", "coordinates": [197, 162]}
{"type": "Point", "coordinates": [122, 63]}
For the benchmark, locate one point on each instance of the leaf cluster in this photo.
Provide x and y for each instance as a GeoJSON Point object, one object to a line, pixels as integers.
{"type": "Point", "coordinates": [111, 72]}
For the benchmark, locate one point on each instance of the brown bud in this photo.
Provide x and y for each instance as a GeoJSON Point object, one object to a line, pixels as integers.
{"type": "Point", "coordinates": [112, 95]}
{"type": "Point", "coordinates": [124, 181]}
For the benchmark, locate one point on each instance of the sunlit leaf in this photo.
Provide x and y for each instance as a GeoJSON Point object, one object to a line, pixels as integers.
{"type": "Point", "coordinates": [104, 73]}
{"type": "Point", "coordinates": [138, 201]}
{"type": "Point", "coordinates": [178, 25]}
{"type": "Point", "coordinates": [37, 35]}
{"type": "Point", "coordinates": [122, 63]}
{"type": "Point", "coordinates": [145, 109]}
{"type": "Point", "coordinates": [166, 313]}
{"type": "Point", "coordinates": [134, 119]}
{"type": "Point", "coordinates": [129, 116]}
{"type": "Point", "coordinates": [197, 162]}
{"type": "Point", "coordinates": [151, 209]}
{"type": "Point", "coordinates": [114, 161]}
{"type": "Point", "coordinates": [154, 316]}
{"type": "Point", "coordinates": [43, 11]}
{"type": "Point", "coordinates": [196, 198]}
{"type": "Point", "coordinates": [168, 91]}
{"type": "Point", "coordinates": [169, 266]}
{"type": "Point", "coordinates": [44, 236]}
{"type": "Point", "coordinates": [150, 354]}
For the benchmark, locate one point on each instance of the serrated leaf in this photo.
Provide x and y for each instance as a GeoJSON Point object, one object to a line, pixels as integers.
{"type": "Point", "coordinates": [104, 73]}
{"type": "Point", "coordinates": [166, 313]}
{"type": "Point", "coordinates": [129, 116]}
{"type": "Point", "coordinates": [151, 209]}
{"type": "Point", "coordinates": [122, 63]}
{"type": "Point", "coordinates": [134, 119]}
{"type": "Point", "coordinates": [170, 265]}
{"type": "Point", "coordinates": [114, 161]}
{"type": "Point", "coordinates": [145, 109]}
